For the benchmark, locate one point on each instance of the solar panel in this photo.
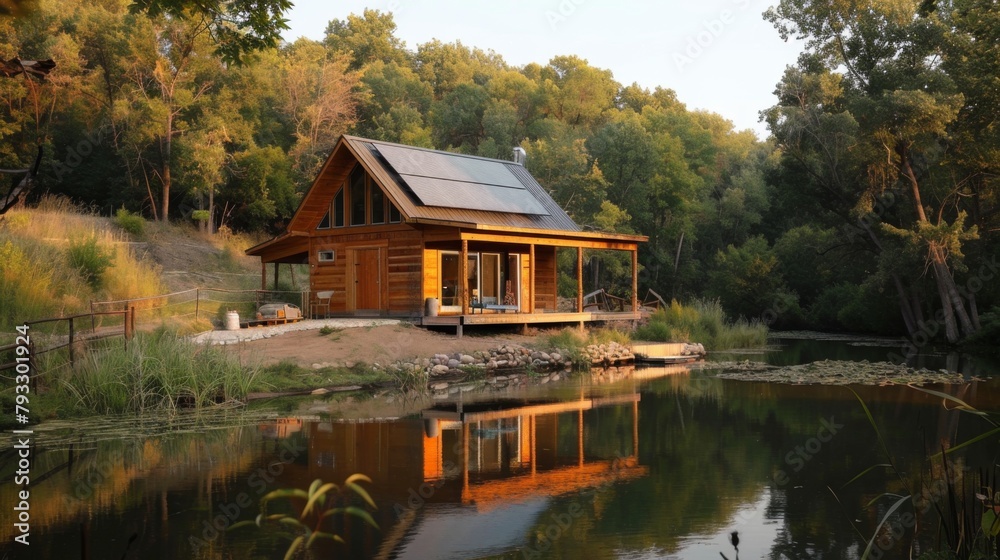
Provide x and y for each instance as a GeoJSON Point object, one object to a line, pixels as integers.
{"type": "Point", "coordinates": [457, 181]}
{"type": "Point", "coordinates": [473, 196]}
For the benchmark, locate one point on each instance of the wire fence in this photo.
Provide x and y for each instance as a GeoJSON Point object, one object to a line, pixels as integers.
{"type": "Point", "coordinates": [65, 339]}
{"type": "Point", "coordinates": [198, 304]}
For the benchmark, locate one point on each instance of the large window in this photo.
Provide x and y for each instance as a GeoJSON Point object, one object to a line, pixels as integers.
{"type": "Point", "coordinates": [495, 277]}
{"type": "Point", "coordinates": [338, 209]}
{"type": "Point", "coordinates": [378, 205]}
{"type": "Point", "coordinates": [357, 194]}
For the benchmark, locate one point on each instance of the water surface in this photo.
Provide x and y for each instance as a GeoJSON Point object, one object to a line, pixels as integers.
{"type": "Point", "coordinates": [663, 463]}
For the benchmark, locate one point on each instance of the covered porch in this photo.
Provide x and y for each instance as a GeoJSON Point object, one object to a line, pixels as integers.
{"type": "Point", "coordinates": [474, 277]}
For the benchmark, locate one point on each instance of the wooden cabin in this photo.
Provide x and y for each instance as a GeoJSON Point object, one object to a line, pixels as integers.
{"type": "Point", "coordinates": [439, 237]}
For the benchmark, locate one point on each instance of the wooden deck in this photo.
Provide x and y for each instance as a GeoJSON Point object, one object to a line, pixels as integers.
{"type": "Point", "coordinates": [459, 321]}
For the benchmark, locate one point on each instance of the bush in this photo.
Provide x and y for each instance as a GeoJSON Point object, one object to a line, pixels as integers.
{"type": "Point", "coordinates": [704, 322]}
{"type": "Point", "coordinates": [90, 259]}
{"type": "Point", "coordinates": [133, 224]}
{"type": "Point", "coordinates": [985, 339]}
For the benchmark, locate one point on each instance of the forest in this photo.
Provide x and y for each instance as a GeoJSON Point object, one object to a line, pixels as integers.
{"type": "Point", "coordinates": [873, 206]}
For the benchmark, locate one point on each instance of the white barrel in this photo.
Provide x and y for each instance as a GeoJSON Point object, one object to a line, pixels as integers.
{"type": "Point", "coordinates": [232, 321]}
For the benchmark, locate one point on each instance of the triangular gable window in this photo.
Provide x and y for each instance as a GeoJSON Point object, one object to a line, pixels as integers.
{"type": "Point", "coordinates": [325, 222]}
{"type": "Point", "coordinates": [394, 216]}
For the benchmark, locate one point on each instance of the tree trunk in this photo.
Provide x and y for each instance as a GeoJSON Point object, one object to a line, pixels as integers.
{"type": "Point", "coordinates": [211, 209]}
{"type": "Point", "coordinates": [951, 300]}
{"type": "Point", "coordinates": [165, 145]}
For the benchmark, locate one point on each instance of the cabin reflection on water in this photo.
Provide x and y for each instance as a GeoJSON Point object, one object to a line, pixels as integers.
{"type": "Point", "coordinates": [469, 478]}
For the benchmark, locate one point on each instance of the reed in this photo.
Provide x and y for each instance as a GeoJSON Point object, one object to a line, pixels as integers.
{"type": "Point", "coordinates": [157, 371]}
{"type": "Point", "coordinates": [705, 322]}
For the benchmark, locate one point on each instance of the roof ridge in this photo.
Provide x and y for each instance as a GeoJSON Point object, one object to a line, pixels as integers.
{"type": "Point", "coordinates": [433, 150]}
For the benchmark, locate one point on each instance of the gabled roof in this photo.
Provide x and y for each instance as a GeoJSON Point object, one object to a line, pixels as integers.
{"type": "Point", "coordinates": [435, 187]}
{"type": "Point", "coordinates": [430, 185]}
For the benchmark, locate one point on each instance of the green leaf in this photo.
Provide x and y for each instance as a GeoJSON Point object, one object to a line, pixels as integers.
{"type": "Point", "coordinates": [285, 493]}
{"type": "Point", "coordinates": [320, 535]}
{"type": "Point", "coordinates": [356, 477]}
{"type": "Point", "coordinates": [864, 472]}
{"type": "Point", "coordinates": [885, 518]}
{"type": "Point", "coordinates": [294, 523]}
{"type": "Point", "coordinates": [242, 524]}
{"type": "Point", "coordinates": [962, 405]}
{"type": "Point", "coordinates": [991, 523]}
{"type": "Point", "coordinates": [362, 514]}
{"type": "Point", "coordinates": [967, 442]}
{"type": "Point", "coordinates": [294, 547]}
{"type": "Point", "coordinates": [361, 492]}
{"type": "Point", "coordinates": [318, 496]}
{"type": "Point", "coordinates": [333, 511]}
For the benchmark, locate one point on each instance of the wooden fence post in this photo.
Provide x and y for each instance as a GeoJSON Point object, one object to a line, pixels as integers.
{"type": "Point", "coordinates": [126, 331]}
{"type": "Point", "coordinates": [131, 321]}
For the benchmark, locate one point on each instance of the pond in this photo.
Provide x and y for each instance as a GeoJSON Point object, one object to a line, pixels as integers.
{"type": "Point", "coordinates": [657, 463]}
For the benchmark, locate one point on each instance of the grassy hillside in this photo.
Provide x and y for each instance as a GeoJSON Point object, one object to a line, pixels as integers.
{"type": "Point", "coordinates": [57, 258]}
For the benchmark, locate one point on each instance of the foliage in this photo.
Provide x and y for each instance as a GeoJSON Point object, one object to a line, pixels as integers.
{"type": "Point", "coordinates": [131, 223]}
{"type": "Point", "coordinates": [157, 371]}
{"type": "Point", "coordinates": [704, 322]}
{"type": "Point", "coordinates": [90, 259]}
{"type": "Point", "coordinates": [310, 512]}
{"type": "Point", "coordinates": [145, 112]}
{"type": "Point", "coordinates": [238, 27]}
{"type": "Point", "coordinates": [747, 280]}
{"type": "Point", "coordinates": [986, 338]}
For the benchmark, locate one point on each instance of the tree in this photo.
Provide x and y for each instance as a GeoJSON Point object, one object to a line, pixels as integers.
{"type": "Point", "coordinates": [906, 107]}
{"type": "Point", "coordinates": [320, 102]}
{"type": "Point", "coordinates": [366, 39]}
{"type": "Point", "coordinates": [238, 27]}
{"type": "Point", "coordinates": [579, 93]}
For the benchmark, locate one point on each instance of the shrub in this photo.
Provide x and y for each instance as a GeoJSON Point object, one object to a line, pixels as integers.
{"type": "Point", "coordinates": [90, 259]}
{"type": "Point", "coordinates": [133, 224]}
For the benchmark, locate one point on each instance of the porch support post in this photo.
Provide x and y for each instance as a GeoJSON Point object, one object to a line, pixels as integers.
{"type": "Point", "coordinates": [579, 279]}
{"type": "Point", "coordinates": [635, 280]}
{"type": "Point", "coordinates": [531, 278]}
{"type": "Point", "coordinates": [263, 274]}
{"type": "Point", "coordinates": [463, 272]}
{"type": "Point", "coordinates": [277, 267]}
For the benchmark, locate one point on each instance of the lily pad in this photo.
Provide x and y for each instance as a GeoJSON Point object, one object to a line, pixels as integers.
{"type": "Point", "coordinates": [839, 372]}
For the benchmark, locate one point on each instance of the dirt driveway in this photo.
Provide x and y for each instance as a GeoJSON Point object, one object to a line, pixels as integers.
{"type": "Point", "coordinates": [369, 344]}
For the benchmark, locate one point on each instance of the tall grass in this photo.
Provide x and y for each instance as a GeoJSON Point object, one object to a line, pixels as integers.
{"type": "Point", "coordinates": [46, 270]}
{"type": "Point", "coordinates": [704, 322]}
{"type": "Point", "coordinates": [157, 371]}
{"type": "Point", "coordinates": [575, 341]}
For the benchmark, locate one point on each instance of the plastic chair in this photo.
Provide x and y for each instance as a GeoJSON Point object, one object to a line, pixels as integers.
{"type": "Point", "coordinates": [322, 301]}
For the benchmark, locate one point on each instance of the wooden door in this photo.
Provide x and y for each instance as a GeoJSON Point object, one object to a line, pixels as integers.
{"type": "Point", "coordinates": [368, 280]}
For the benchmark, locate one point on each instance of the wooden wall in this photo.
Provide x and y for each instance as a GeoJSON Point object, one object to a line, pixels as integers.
{"type": "Point", "coordinates": [401, 273]}
{"type": "Point", "coordinates": [545, 278]}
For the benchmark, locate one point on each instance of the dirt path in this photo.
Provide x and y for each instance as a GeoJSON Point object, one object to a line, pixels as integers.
{"type": "Point", "coordinates": [381, 344]}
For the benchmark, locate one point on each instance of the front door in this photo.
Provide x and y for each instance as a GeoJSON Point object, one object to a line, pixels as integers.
{"type": "Point", "coordinates": [367, 280]}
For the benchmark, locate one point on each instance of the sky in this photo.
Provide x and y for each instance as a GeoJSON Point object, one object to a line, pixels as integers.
{"type": "Point", "coordinates": [718, 55]}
